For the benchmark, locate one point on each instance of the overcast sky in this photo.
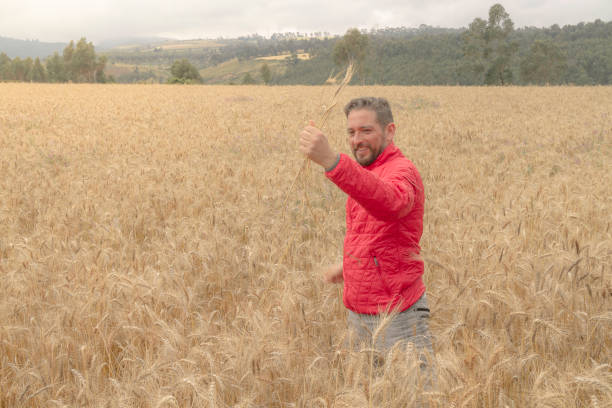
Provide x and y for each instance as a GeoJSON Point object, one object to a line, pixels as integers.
{"type": "Point", "coordinates": [64, 20]}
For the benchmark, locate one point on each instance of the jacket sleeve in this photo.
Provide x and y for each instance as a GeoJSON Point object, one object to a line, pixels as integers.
{"type": "Point", "coordinates": [387, 198]}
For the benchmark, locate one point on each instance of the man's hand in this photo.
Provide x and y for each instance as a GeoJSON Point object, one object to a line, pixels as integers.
{"type": "Point", "coordinates": [315, 146]}
{"type": "Point", "coordinates": [333, 274]}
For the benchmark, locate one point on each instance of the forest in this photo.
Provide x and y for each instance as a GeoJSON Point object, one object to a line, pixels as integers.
{"type": "Point", "coordinates": [78, 63]}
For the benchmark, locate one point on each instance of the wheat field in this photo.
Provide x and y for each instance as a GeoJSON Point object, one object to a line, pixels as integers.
{"type": "Point", "coordinates": [154, 254]}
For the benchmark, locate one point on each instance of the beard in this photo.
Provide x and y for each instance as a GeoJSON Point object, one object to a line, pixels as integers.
{"type": "Point", "coordinates": [367, 159]}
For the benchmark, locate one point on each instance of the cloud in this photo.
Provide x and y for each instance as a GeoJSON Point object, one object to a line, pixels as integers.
{"type": "Point", "coordinates": [62, 20]}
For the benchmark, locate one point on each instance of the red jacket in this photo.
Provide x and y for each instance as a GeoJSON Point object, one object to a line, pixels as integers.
{"type": "Point", "coordinates": [382, 268]}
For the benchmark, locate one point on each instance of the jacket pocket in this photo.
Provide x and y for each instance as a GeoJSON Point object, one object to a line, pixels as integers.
{"type": "Point", "coordinates": [362, 273]}
{"type": "Point", "coordinates": [381, 275]}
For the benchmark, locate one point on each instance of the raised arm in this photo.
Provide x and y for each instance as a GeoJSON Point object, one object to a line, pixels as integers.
{"type": "Point", "coordinates": [385, 198]}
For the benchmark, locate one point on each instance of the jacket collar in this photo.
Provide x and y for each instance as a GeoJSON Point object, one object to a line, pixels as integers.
{"type": "Point", "coordinates": [390, 151]}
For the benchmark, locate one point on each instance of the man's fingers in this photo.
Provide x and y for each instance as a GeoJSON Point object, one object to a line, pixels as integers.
{"type": "Point", "coordinates": [307, 136]}
{"type": "Point", "coordinates": [306, 139]}
{"type": "Point", "coordinates": [314, 145]}
{"type": "Point", "coordinates": [308, 131]}
{"type": "Point", "coordinates": [333, 274]}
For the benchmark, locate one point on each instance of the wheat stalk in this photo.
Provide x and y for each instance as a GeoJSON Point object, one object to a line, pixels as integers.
{"type": "Point", "coordinates": [322, 121]}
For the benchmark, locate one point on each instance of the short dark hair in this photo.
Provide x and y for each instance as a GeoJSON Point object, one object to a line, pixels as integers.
{"type": "Point", "coordinates": [380, 106]}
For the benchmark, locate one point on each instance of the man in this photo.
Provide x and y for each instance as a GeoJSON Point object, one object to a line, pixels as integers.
{"type": "Point", "coordinates": [381, 269]}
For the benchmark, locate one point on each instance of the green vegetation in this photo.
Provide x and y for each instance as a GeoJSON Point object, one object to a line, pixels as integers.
{"type": "Point", "coordinates": [248, 79]}
{"type": "Point", "coordinates": [233, 71]}
{"type": "Point", "coordinates": [490, 52]}
{"type": "Point", "coordinates": [489, 49]}
{"type": "Point", "coordinates": [78, 63]}
{"type": "Point", "coordinates": [126, 73]}
{"type": "Point", "coordinates": [544, 63]}
{"type": "Point", "coordinates": [184, 73]}
{"type": "Point", "coordinates": [266, 74]}
{"type": "Point", "coordinates": [352, 48]}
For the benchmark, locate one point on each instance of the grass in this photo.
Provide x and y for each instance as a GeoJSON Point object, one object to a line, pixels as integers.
{"type": "Point", "coordinates": [118, 69]}
{"type": "Point", "coordinates": [233, 71]}
{"type": "Point", "coordinates": [189, 44]}
{"type": "Point", "coordinates": [168, 45]}
{"type": "Point", "coordinates": [302, 56]}
{"type": "Point", "coordinates": [144, 262]}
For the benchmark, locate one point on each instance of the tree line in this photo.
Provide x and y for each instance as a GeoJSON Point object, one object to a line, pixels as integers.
{"type": "Point", "coordinates": [78, 63]}
{"type": "Point", "coordinates": [489, 52]}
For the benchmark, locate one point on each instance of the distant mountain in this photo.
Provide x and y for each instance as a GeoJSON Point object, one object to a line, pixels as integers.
{"type": "Point", "coordinates": [29, 48]}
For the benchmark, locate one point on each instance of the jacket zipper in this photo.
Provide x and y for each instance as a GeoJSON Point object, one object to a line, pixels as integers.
{"type": "Point", "coordinates": [380, 275]}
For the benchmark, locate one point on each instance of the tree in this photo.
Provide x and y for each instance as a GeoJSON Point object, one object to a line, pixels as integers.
{"type": "Point", "coordinates": [543, 64]}
{"type": "Point", "coordinates": [28, 65]}
{"type": "Point", "coordinates": [83, 62]}
{"type": "Point", "coordinates": [5, 67]}
{"type": "Point", "coordinates": [67, 55]}
{"type": "Point", "coordinates": [80, 64]}
{"type": "Point", "coordinates": [183, 72]}
{"type": "Point", "coordinates": [99, 75]}
{"type": "Point", "coordinates": [487, 45]}
{"type": "Point", "coordinates": [55, 69]}
{"type": "Point", "coordinates": [38, 72]}
{"type": "Point", "coordinates": [248, 79]}
{"type": "Point", "coordinates": [266, 74]}
{"type": "Point", "coordinates": [599, 67]}
{"type": "Point", "coordinates": [352, 48]}
{"type": "Point", "coordinates": [19, 69]}
{"type": "Point", "coordinates": [294, 59]}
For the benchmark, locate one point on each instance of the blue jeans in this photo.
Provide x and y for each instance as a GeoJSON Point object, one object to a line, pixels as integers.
{"type": "Point", "coordinates": [409, 326]}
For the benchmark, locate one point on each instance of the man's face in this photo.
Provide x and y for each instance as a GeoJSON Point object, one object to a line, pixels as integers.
{"type": "Point", "coordinates": [366, 136]}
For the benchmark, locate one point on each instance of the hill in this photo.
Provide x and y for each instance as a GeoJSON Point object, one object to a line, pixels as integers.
{"type": "Point", "coordinates": [573, 54]}
{"type": "Point", "coordinates": [29, 48]}
{"type": "Point", "coordinates": [219, 60]}
{"type": "Point", "coordinates": [128, 42]}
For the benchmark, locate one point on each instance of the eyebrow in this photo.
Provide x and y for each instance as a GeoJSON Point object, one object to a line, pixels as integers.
{"type": "Point", "coordinates": [360, 127]}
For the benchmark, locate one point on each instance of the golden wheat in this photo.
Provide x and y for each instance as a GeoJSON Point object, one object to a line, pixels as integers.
{"type": "Point", "coordinates": [143, 261]}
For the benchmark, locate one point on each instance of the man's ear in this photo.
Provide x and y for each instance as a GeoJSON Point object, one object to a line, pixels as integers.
{"type": "Point", "coordinates": [390, 131]}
